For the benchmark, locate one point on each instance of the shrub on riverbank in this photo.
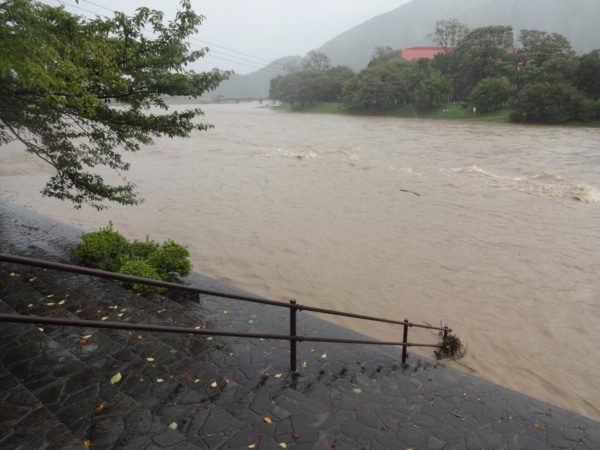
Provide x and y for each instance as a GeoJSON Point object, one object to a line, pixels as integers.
{"type": "Point", "coordinates": [107, 249]}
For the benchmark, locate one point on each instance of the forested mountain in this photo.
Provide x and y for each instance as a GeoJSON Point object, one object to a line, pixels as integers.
{"type": "Point", "coordinates": [410, 24]}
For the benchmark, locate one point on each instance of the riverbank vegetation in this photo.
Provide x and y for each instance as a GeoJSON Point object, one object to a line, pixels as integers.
{"type": "Point", "coordinates": [478, 74]}
{"type": "Point", "coordinates": [107, 249]}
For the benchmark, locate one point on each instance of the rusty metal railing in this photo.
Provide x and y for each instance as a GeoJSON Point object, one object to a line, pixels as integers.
{"type": "Point", "coordinates": [292, 306]}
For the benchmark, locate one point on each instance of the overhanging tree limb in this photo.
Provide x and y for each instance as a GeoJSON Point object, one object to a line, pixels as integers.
{"type": "Point", "coordinates": [86, 90]}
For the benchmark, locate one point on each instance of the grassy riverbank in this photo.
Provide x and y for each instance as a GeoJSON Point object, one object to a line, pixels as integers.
{"type": "Point", "coordinates": [454, 112]}
{"type": "Point", "coordinates": [409, 111]}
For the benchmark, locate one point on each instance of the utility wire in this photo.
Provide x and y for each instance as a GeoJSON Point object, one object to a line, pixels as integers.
{"type": "Point", "coordinates": [255, 62]}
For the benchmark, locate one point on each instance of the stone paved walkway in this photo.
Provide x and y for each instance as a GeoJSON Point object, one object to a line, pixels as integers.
{"type": "Point", "coordinates": [64, 388]}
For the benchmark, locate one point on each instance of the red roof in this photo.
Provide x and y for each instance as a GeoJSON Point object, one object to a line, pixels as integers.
{"type": "Point", "coordinates": [412, 53]}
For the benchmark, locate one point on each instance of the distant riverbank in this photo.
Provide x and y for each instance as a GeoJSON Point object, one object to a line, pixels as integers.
{"type": "Point", "coordinates": [455, 112]}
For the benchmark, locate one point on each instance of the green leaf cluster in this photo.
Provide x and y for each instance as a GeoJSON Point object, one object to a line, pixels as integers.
{"type": "Point", "coordinates": [313, 81]}
{"type": "Point", "coordinates": [77, 92]}
{"type": "Point", "coordinates": [107, 249]}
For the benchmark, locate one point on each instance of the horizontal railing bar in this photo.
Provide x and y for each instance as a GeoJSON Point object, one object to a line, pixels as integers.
{"type": "Point", "coordinates": [133, 279]}
{"type": "Point", "coordinates": [374, 319]}
{"type": "Point", "coordinates": [38, 320]}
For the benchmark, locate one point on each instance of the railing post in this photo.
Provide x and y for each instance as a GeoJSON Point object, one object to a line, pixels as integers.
{"type": "Point", "coordinates": [445, 333]}
{"type": "Point", "coordinates": [405, 341]}
{"type": "Point", "coordinates": [293, 311]}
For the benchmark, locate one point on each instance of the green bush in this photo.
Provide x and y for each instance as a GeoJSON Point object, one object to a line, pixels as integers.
{"type": "Point", "coordinates": [547, 103]}
{"type": "Point", "coordinates": [139, 268]}
{"type": "Point", "coordinates": [491, 94]}
{"type": "Point", "coordinates": [107, 249]}
{"type": "Point", "coordinates": [142, 249]}
{"type": "Point", "coordinates": [171, 259]}
{"type": "Point", "coordinates": [102, 249]}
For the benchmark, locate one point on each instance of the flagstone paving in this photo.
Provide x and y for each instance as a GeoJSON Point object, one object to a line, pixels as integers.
{"type": "Point", "coordinates": [69, 388]}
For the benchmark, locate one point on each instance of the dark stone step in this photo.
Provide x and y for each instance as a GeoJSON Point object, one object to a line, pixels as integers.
{"type": "Point", "coordinates": [82, 398]}
{"type": "Point", "coordinates": [192, 386]}
{"type": "Point", "coordinates": [26, 423]}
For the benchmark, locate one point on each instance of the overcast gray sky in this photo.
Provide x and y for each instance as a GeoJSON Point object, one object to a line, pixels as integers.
{"type": "Point", "coordinates": [245, 35]}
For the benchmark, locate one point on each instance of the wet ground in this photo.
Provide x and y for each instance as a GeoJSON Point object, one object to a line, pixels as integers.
{"type": "Point", "coordinates": [85, 387]}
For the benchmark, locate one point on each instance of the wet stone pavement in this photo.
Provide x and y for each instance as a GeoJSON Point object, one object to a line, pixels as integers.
{"type": "Point", "coordinates": [72, 388]}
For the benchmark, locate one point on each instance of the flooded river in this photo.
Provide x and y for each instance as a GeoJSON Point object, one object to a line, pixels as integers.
{"type": "Point", "coordinates": [493, 230]}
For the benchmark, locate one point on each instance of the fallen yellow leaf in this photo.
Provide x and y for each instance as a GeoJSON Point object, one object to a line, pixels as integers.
{"type": "Point", "coordinates": [150, 359]}
{"type": "Point", "coordinates": [116, 378]}
{"type": "Point", "coordinates": [540, 427]}
{"type": "Point", "coordinates": [252, 446]}
{"type": "Point", "coordinates": [267, 420]}
{"type": "Point", "coordinates": [213, 384]}
{"type": "Point", "coordinates": [324, 355]}
{"type": "Point", "coordinates": [50, 304]}
{"type": "Point", "coordinates": [140, 337]}
{"type": "Point", "coordinates": [100, 406]}
{"type": "Point", "coordinates": [277, 375]}
{"type": "Point", "coordinates": [104, 318]}
{"type": "Point", "coordinates": [283, 445]}
{"type": "Point", "coordinates": [159, 380]}
{"type": "Point", "coordinates": [62, 302]}
{"type": "Point", "coordinates": [86, 443]}
{"type": "Point", "coordinates": [87, 336]}
{"type": "Point", "coordinates": [303, 364]}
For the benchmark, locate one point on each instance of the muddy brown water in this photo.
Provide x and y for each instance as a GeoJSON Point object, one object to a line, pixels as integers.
{"type": "Point", "coordinates": [493, 230]}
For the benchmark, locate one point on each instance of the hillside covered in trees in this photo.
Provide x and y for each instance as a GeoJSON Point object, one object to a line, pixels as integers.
{"type": "Point", "coordinates": [410, 24]}
{"type": "Point", "coordinates": [537, 75]}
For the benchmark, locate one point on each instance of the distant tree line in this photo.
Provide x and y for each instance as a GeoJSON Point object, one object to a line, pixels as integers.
{"type": "Point", "coordinates": [541, 79]}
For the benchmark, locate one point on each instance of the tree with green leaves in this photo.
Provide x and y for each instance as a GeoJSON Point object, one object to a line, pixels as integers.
{"type": "Point", "coordinates": [375, 87]}
{"type": "Point", "coordinates": [545, 102]}
{"type": "Point", "coordinates": [543, 57]}
{"type": "Point", "coordinates": [482, 53]}
{"type": "Point", "coordinates": [384, 54]}
{"type": "Point", "coordinates": [77, 92]}
{"type": "Point", "coordinates": [435, 89]}
{"type": "Point", "coordinates": [448, 33]}
{"type": "Point", "coordinates": [491, 94]}
{"type": "Point", "coordinates": [587, 75]}
{"type": "Point", "coordinates": [315, 61]}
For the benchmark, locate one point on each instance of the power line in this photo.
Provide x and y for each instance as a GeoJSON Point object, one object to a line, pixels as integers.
{"type": "Point", "coordinates": [255, 62]}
